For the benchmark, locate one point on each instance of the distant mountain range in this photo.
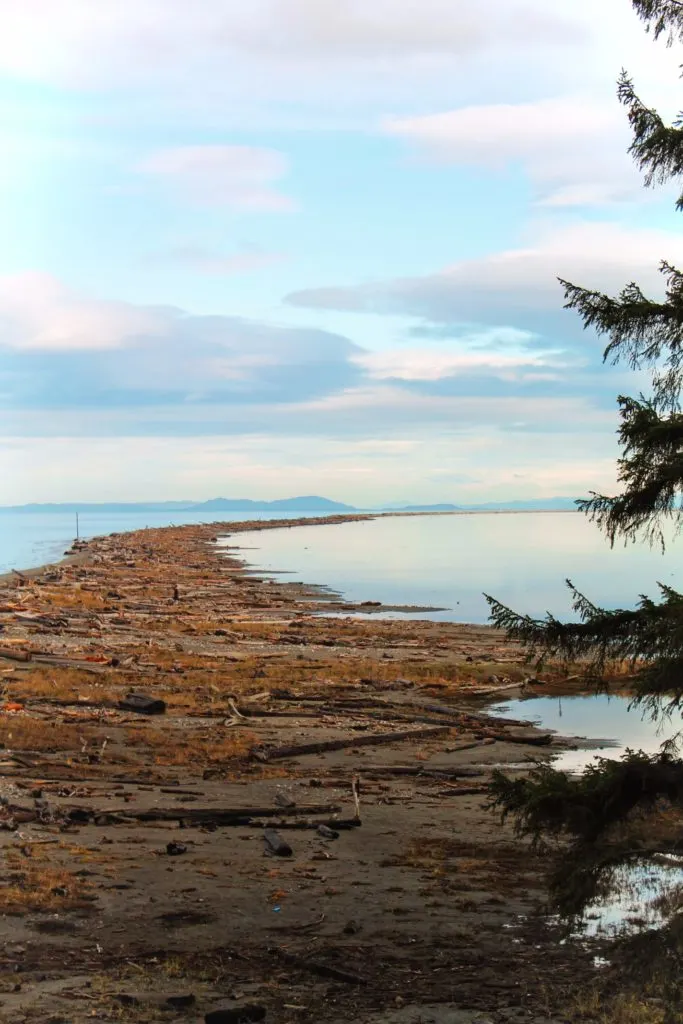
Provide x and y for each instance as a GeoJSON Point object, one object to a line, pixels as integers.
{"type": "Point", "coordinates": [306, 503]}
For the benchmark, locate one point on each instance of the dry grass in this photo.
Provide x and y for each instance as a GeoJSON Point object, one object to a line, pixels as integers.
{"type": "Point", "coordinates": [33, 884]}
{"type": "Point", "coordinates": [64, 684]}
{"type": "Point", "coordinates": [32, 734]}
{"type": "Point", "coordinates": [75, 599]}
{"type": "Point", "coordinates": [188, 749]}
{"type": "Point", "coordinates": [626, 1008]}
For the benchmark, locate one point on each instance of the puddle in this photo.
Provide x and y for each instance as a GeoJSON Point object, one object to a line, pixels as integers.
{"type": "Point", "coordinates": [643, 895]}
{"type": "Point", "coordinates": [640, 894]}
{"type": "Point", "coordinates": [605, 721]}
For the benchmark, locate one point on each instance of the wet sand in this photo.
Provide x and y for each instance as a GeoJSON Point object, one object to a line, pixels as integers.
{"type": "Point", "coordinates": [140, 864]}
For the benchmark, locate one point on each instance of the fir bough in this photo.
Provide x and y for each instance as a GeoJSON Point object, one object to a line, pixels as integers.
{"type": "Point", "coordinates": [646, 333]}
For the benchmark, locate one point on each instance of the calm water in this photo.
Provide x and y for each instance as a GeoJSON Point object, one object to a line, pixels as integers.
{"type": "Point", "coordinates": [596, 718]}
{"type": "Point", "coordinates": [448, 561]}
{"type": "Point", "coordinates": [642, 896]}
{"type": "Point", "coordinates": [29, 539]}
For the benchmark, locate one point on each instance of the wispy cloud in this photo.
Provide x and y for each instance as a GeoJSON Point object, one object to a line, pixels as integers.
{"type": "Point", "coordinates": [573, 149]}
{"type": "Point", "coordinates": [239, 176]}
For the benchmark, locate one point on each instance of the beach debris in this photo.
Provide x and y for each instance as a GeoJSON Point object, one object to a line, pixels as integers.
{"type": "Point", "coordinates": [525, 736]}
{"type": "Point", "coordinates": [355, 793]}
{"type": "Point", "coordinates": [236, 1014]}
{"type": "Point", "coordinates": [142, 704]}
{"type": "Point", "coordinates": [326, 832]}
{"type": "Point", "coordinates": [275, 845]}
{"type": "Point", "coordinates": [174, 849]}
{"type": "Point", "coordinates": [11, 655]}
{"type": "Point", "coordinates": [235, 816]}
{"type": "Point", "coordinates": [374, 739]}
{"type": "Point", "coordinates": [315, 967]}
{"type": "Point", "coordinates": [283, 800]}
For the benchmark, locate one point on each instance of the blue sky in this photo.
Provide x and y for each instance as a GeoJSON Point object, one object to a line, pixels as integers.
{"type": "Point", "coordinates": [299, 246]}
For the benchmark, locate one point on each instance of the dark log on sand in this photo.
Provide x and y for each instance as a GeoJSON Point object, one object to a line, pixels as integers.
{"type": "Point", "coordinates": [204, 815]}
{"type": "Point", "coordinates": [315, 967]}
{"type": "Point", "coordinates": [374, 740]}
{"type": "Point", "coordinates": [275, 844]}
{"type": "Point", "coordinates": [417, 772]}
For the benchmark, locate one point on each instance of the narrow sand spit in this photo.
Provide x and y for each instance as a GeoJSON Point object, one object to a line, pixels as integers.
{"type": "Point", "coordinates": [300, 828]}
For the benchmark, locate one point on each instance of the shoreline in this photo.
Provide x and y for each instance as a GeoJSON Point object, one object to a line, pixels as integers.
{"type": "Point", "coordinates": [363, 745]}
{"type": "Point", "coordinates": [300, 521]}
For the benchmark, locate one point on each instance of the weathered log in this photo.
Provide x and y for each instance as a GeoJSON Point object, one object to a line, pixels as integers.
{"type": "Point", "coordinates": [142, 704]}
{"type": "Point", "coordinates": [5, 652]}
{"type": "Point", "coordinates": [216, 815]}
{"type": "Point", "coordinates": [315, 967]}
{"type": "Point", "coordinates": [275, 845]}
{"type": "Point", "coordinates": [526, 737]}
{"type": "Point", "coordinates": [375, 739]}
{"type": "Point", "coordinates": [463, 772]}
{"type": "Point", "coordinates": [336, 824]}
{"type": "Point", "coordinates": [236, 1014]}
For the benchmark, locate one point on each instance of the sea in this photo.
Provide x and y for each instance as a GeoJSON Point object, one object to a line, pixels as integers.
{"type": "Point", "coordinates": [30, 539]}
{"type": "Point", "coordinates": [444, 562]}
{"type": "Point", "coordinates": [448, 562]}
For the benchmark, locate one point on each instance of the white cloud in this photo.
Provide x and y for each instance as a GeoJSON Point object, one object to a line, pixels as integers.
{"type": "Point", "coordinates": [77, 40]}
{"type": "Point", "coordinates": [431, 364]}
{"type": "Point", "coordinates": [574, 149]}
{"type": "Point", "coordinates": [239, 176]}
{"type": "Point", "coordinates": [516, 286]}
{"type": "Point", "coordinates": [39, 313]}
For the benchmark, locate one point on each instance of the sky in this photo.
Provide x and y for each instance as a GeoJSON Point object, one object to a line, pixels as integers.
{"type": "Point", "coordinates": [312, 246]}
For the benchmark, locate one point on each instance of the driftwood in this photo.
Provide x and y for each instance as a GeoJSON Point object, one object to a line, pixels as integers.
{"type": "Point", "coordinates": [336, 824]}
{"type": "Point", "coordinates": [5, 652]}
{"type": "Point", "coordinates": [373, 740]}
{"type": "Point", "coordinates": [142, 704]}
{"type": "Point", "coordinates": [315, 967]}
{"type": "Point", "coordinates": [216, 815]}
{"type": "Point", "coordinates": [463, 772]}
{"type": "Point", "coordinates": [236, 1014]}
{"type": "Point", "coordinates": [531, 738]}
{"type": "Point", "coordinates": [462, 791]}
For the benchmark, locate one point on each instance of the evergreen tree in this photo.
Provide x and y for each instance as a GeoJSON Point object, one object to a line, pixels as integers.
{"type": "Point", "coordinates": [646, 334]}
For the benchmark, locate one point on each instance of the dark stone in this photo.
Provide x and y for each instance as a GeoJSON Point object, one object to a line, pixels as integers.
{"type": "Point", "coordinates": [175, 849]}
{"type": "Point", "coordinates": [181, 1002]}
{"type": "Point", "coordinates": [236, 1014]}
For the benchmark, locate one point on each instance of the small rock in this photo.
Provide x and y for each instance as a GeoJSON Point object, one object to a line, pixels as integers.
{"type": "Point", "coordinates": [174, 849]}
{"type": "Point", "coordinates": [351, 928]}
{"type": "Point", "coordinates": [327, 833]}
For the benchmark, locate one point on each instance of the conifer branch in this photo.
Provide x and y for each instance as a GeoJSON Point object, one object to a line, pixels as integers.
{"type": "Point", "coordinates": [661, 16]}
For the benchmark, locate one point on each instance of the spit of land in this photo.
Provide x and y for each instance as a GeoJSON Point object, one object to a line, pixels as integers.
{"type": "Point", "coordinates": [216, 800]}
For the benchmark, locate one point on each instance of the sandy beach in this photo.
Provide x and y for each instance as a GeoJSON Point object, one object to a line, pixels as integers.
{"type": "Point", "coordinates": [287, 818]}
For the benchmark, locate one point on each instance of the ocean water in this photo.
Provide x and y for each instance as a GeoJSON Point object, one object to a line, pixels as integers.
{"type": "Point", "coordinates": [29, 539]}
{"type": "Point", "coordinates": [449, 561]}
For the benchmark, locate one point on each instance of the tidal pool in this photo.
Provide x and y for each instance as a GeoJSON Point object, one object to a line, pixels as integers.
{"type": "Point", "coordinates": [595, 717]}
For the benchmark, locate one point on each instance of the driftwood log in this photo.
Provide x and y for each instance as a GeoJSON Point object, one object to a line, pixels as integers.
{"type": "Point", "coordinates": [373, 740]}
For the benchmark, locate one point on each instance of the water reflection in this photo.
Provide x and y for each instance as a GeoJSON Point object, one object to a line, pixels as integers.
{"type": "Point", "coordinates": [450, 561]}
{"type": "Point", "coordinates": [642, 894]}
{"type": "Point", "coordinates": [595, 718]}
